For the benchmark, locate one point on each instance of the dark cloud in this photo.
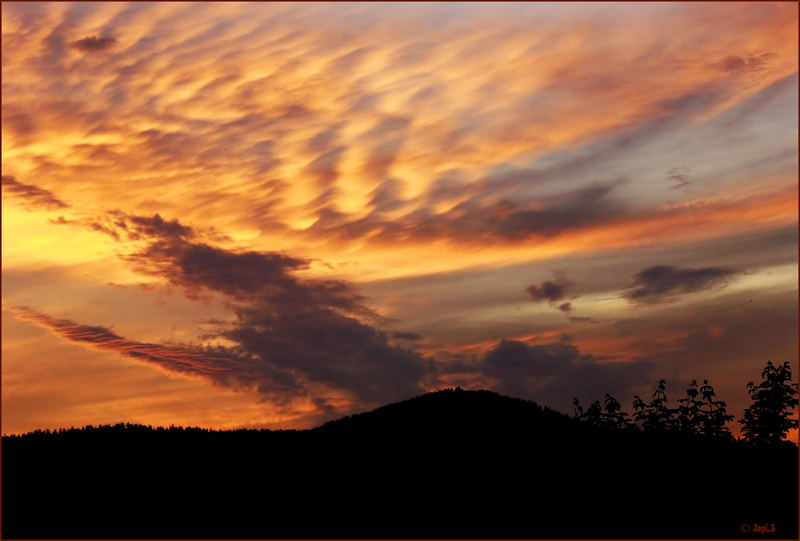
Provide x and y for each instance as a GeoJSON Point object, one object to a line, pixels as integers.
{"type": "Point", "coordinates": [661, 282]}
{"type": "Point", "coordinates": [753, 62]}
{"type": "Point", "coordinates": [679, 176]}
{"type": "Point", "coordinates": [478, 219]}
{"type": "Point", "coordinates": [196, 266]}
{"type": "Point", "coordinates": [328, 347]}
{"type": "Point", "coordinates": [100, 228]}
{"type": "Point", "coordinates": [31, 195]}
{"type": "Point", "coordinates": [552, 291]}
{"type": "Point", "coordinates": [156, 226]}
{"type": "Point", "coordinates": [506, 220]}
{"type": "Point", "coordinates": [410, 336]}
{"type": "Point", "coordinates": [307, 328]}
{"type": "Point", "coordinates": [547, 291]}
{"type": "Point", "coordinates": [555, 373]}
{"type": "Point", "coordinates": [93, 44]}
{"type": "Point", "coordinates": [119, 225]}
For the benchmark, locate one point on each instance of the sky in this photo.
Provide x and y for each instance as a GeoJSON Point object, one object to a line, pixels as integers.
{"type": "Point", "coordinates": [275, 214]}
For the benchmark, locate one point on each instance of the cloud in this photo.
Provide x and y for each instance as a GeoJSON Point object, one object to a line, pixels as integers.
{"type": "Point", "coordinates": [220, 365]}
{"type": "Point", "coordinates": [555, 373]}
{"type": "Point", "coordinates": [679, 176]}
{"type": "Point", "coordinates": [324, 167]}
{"type": "Point", "coordinates": [60, 221]}
{"type": "Point", "coordinates": [752, 62]}
{"type": "Point", "coordinates": [120, 225]}
{"type": "Point", "coordinates": [476, 219]}
{"type": "Point", "coordinates": [93, 44]}
{"type": "Point", "coordinates": [309, 328]}
{"type": "Point", "coordinates": [156, 226]}
{"type": "Point", "coordinates": [410, 336]}
{"type": "Point", "coordinates": [662, 282]}
{"type": "Point", "coordinates": [551, 291]}
{"type": "Point", "coordinates": [31, 195]}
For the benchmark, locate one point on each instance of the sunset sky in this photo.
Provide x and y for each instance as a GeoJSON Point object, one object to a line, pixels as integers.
{"type": "Point", "coordinates": [275, 214]}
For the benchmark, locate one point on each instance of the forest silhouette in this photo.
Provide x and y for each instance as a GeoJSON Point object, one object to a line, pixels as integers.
{"type": "Point", "coordinates": [447, 464]}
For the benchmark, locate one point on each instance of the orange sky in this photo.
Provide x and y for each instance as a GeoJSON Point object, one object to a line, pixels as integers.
{"type": "Point", "coordinates": [273, 214]}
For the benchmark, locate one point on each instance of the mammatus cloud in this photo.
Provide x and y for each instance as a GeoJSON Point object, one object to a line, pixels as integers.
{"type": "Point", "coordinates": [552, 291]}
{"type": "Point", "coordinates": [31, 195]}
{"type": "Point", "coordinates": [93, 44]}
{"type": "Point", "coordinates": [475, 219]}
{"type": "Point", "coordinates": [662, 282]}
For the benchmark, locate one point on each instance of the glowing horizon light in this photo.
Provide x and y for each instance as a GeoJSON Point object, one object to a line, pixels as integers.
{"type": "Point", "coordinates": [354, 201]}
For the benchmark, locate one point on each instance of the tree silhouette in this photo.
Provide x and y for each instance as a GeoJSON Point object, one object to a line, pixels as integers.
{"type": "Point", "coordinates": [609, 415]}
{"type": "Point", "coordinates": [768, 419]}
{"type": "Point", "coordinates": [593, 415]}
{"type": "Point", "coordinates": [613, 416]}
{"type": "Point", "coordinates": [689, 416]}
{"type": "Point", "coordinates": [578, 408]}
{"type": "Point", "coordinates": [656, 415]}
{"type": "Point", "coordinates": [712, 414]}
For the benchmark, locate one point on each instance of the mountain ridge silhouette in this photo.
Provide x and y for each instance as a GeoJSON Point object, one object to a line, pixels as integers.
{"type": "Point", "coordinates": [452, 463]}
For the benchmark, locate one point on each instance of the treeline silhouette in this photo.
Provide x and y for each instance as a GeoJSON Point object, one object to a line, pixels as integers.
{"type": "Point", "coordinates": [766, 421]}
{"type": "Point", "coordinates": [448, 464]}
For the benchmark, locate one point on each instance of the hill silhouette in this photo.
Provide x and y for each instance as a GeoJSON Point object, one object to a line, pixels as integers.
{"type": "Point", "coordinates": [449, 464]}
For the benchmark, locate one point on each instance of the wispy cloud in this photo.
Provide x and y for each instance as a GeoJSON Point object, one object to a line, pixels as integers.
{"type": "Point", "coordinates": [663, 282]}
{"type": "Point", "coordinates": [219, 365]}
{"type": "Point", "coordinates": [31, 195]}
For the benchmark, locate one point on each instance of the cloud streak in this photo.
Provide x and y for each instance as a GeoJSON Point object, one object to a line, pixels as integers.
{"type": "Point", "coordinates": [220, 365]}
{"type": "Point", "coordinates": [663, 282]}
{"type": "Point", "coordinates": [31, 195]}
{"type": "Point", "coordinates": [93, 44]}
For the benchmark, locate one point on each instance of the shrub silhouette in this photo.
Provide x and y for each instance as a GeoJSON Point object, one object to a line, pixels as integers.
{"type": "Point", "coordinates": [768, 419]}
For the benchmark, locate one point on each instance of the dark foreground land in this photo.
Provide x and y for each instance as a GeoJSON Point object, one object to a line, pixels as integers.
{"type": "Point", "coordinates": [451, 464]}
